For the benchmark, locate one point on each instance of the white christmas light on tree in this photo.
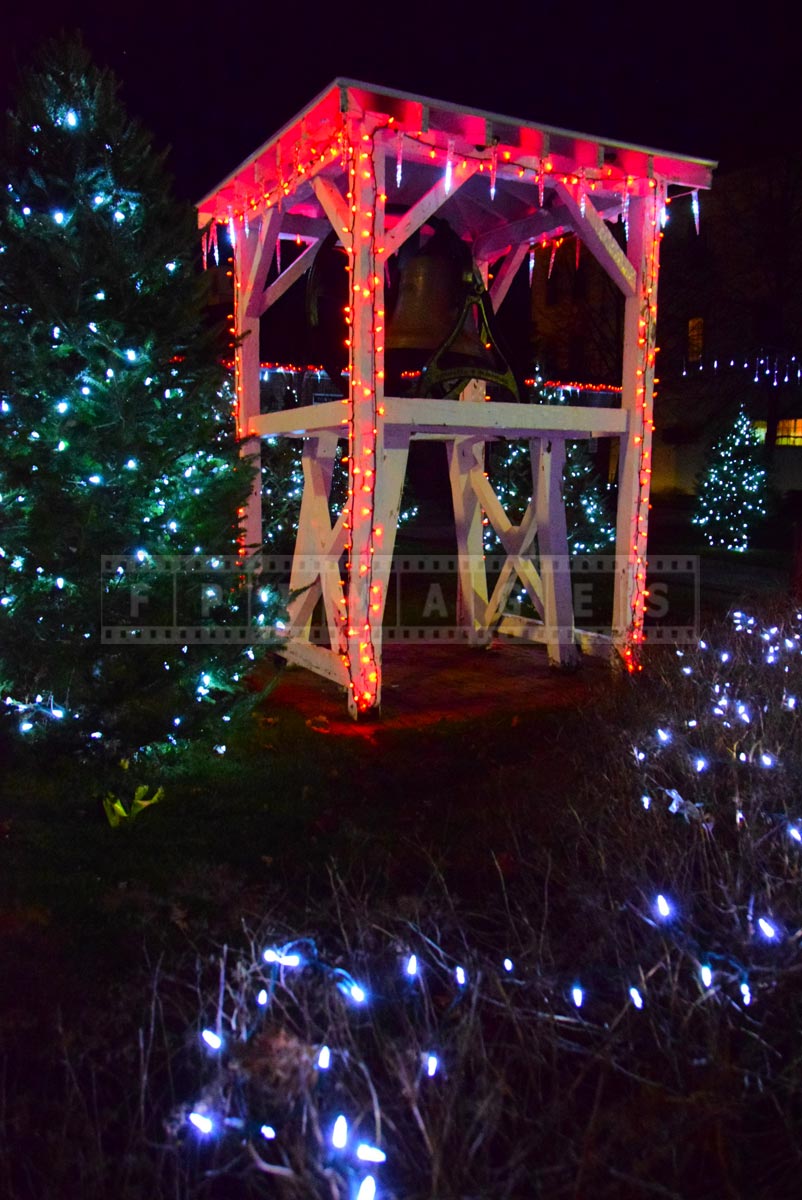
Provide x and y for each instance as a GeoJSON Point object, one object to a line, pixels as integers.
{"type": "Point", "coordinates": [731, 496]}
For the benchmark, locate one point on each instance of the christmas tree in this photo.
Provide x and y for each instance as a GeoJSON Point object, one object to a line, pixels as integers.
{"type": "Point", "coordinates": [731, 495]}
{"type": "Point", "coordinates": [116, 424]}
{"type": "Point", "coordinates": [590, 528]}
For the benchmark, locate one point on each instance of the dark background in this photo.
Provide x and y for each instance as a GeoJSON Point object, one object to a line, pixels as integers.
{"type": "Point", "coordinates": [214, 83]}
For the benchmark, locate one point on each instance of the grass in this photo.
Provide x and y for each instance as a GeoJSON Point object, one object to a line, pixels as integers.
{"type": "Point", "coordinates": [464, 844]}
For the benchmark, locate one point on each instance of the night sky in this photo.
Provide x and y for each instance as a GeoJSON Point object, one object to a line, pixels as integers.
{"type": "Point", "coordinates": [213, 86]}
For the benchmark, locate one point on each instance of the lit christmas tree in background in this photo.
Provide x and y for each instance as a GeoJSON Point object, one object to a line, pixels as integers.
{"type": "Point", "coordinates": [731, 496]}
{"type": "Point", "coordinates": [116, 422]}
{"type": "Point", "coordinates": [590, 527]}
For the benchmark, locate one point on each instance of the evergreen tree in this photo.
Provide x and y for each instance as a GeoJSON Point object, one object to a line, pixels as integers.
{"type": "Point", "coordinates": [116, 424]}
{"type": "Point", "coordinates": [590, 528]}
{"type": "Point", "coordinates": [731, 494]}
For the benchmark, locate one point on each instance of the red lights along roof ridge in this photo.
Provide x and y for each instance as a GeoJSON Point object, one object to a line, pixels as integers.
{"type": "Point", "coordinates": [334, 92]}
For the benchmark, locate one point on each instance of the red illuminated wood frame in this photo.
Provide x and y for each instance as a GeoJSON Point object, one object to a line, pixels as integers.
{"type": "Point", "coordinates": [504, 185]}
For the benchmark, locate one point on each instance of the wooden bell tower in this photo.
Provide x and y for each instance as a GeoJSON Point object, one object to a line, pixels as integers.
{"type": "Point", "coordinates": [505, 186]}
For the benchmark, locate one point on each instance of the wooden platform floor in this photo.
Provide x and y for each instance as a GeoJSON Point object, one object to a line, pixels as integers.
{"type": "Point", "coordinates": [426, 684]}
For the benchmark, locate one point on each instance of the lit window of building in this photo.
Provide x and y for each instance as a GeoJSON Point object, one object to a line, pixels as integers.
{"type": "Point", "coordinates": [789, 433]}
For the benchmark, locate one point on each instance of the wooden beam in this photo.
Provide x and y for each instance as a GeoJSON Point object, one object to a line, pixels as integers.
{"type": "Point", "coordinates": [319, 659]}
{"type": "Point", "coordinates": [598, 239]}
{"type": "Point", "coordinates": [261, 245]}
{"type": "Point", "coordinates": [517, 541]}
{"type": "Point", "coordinates": [288, 277]}
{"type": "Point", "coordinates": [488, 246]}
{"type": "Point", "coordinates": [500, 418]}
{"type": "Point", "coordinates": [505, 275]}
{"type": "Point", "coordinates": [464, 456]}
{"type": "Point", "coordinates": [334, 206]}
{"type": "Point", "coordinates": [448, 418]}
{"type": "Point", "coordinates": [426, 207]}
{"type": "Point", "coordinates": [299, 422]}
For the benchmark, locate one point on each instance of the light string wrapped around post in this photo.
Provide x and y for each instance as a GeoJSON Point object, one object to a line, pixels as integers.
{"type": "Point", "coordinates": [366, 374]}
{"type": "Point", "coordinates": [644, 424]}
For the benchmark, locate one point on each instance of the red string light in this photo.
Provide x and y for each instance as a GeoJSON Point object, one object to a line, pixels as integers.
{"type": "Point", "coordinates": [647, 320]}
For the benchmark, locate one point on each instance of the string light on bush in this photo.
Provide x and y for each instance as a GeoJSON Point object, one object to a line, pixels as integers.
{"type": "Point", "coordinates": [367, 1189]}
{"type": "Point", "coordinates": [339, 1133]}
{"type": "Point", "coordinates": [282, 959]}
{"type": "Point", "coordinates": [371, 1154]}
{"type": "Point", "coordinates": [212, 1039]}
{"type": "Point", "coordinates": [202, 1123]}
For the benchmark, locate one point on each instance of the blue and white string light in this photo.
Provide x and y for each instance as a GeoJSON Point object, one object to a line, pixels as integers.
{"type": "Point", "coordinates": [725, 725]}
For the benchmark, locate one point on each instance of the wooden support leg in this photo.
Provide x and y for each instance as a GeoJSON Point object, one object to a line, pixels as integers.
{"type": "Point", "coordinates": [391, 469]}
{"type": "Point", "coordinates": [558, 613]}
{"type": "Point", "coordinates": [365, 594]}
{"type": "Point", "coordinates": [312, 561]}
{"type": "Point", "coordinates": [247, 385]}
{"type": "Point", "coordinates": [634, 466]}
{"type": "Point", "coordinates": [464, 456]}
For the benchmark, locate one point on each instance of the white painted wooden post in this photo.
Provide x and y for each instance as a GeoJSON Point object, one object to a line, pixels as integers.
{"type": "Point", "coordinates": [635, 463]}
{"type": "Point", "coordinates": [552, 541]}
{"type": "Point", "coordinates": [253, 254]}
{"type": "Point", "coordinates": [365, 593]}
{"type": "Point", "coordinates": [247, 385]}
